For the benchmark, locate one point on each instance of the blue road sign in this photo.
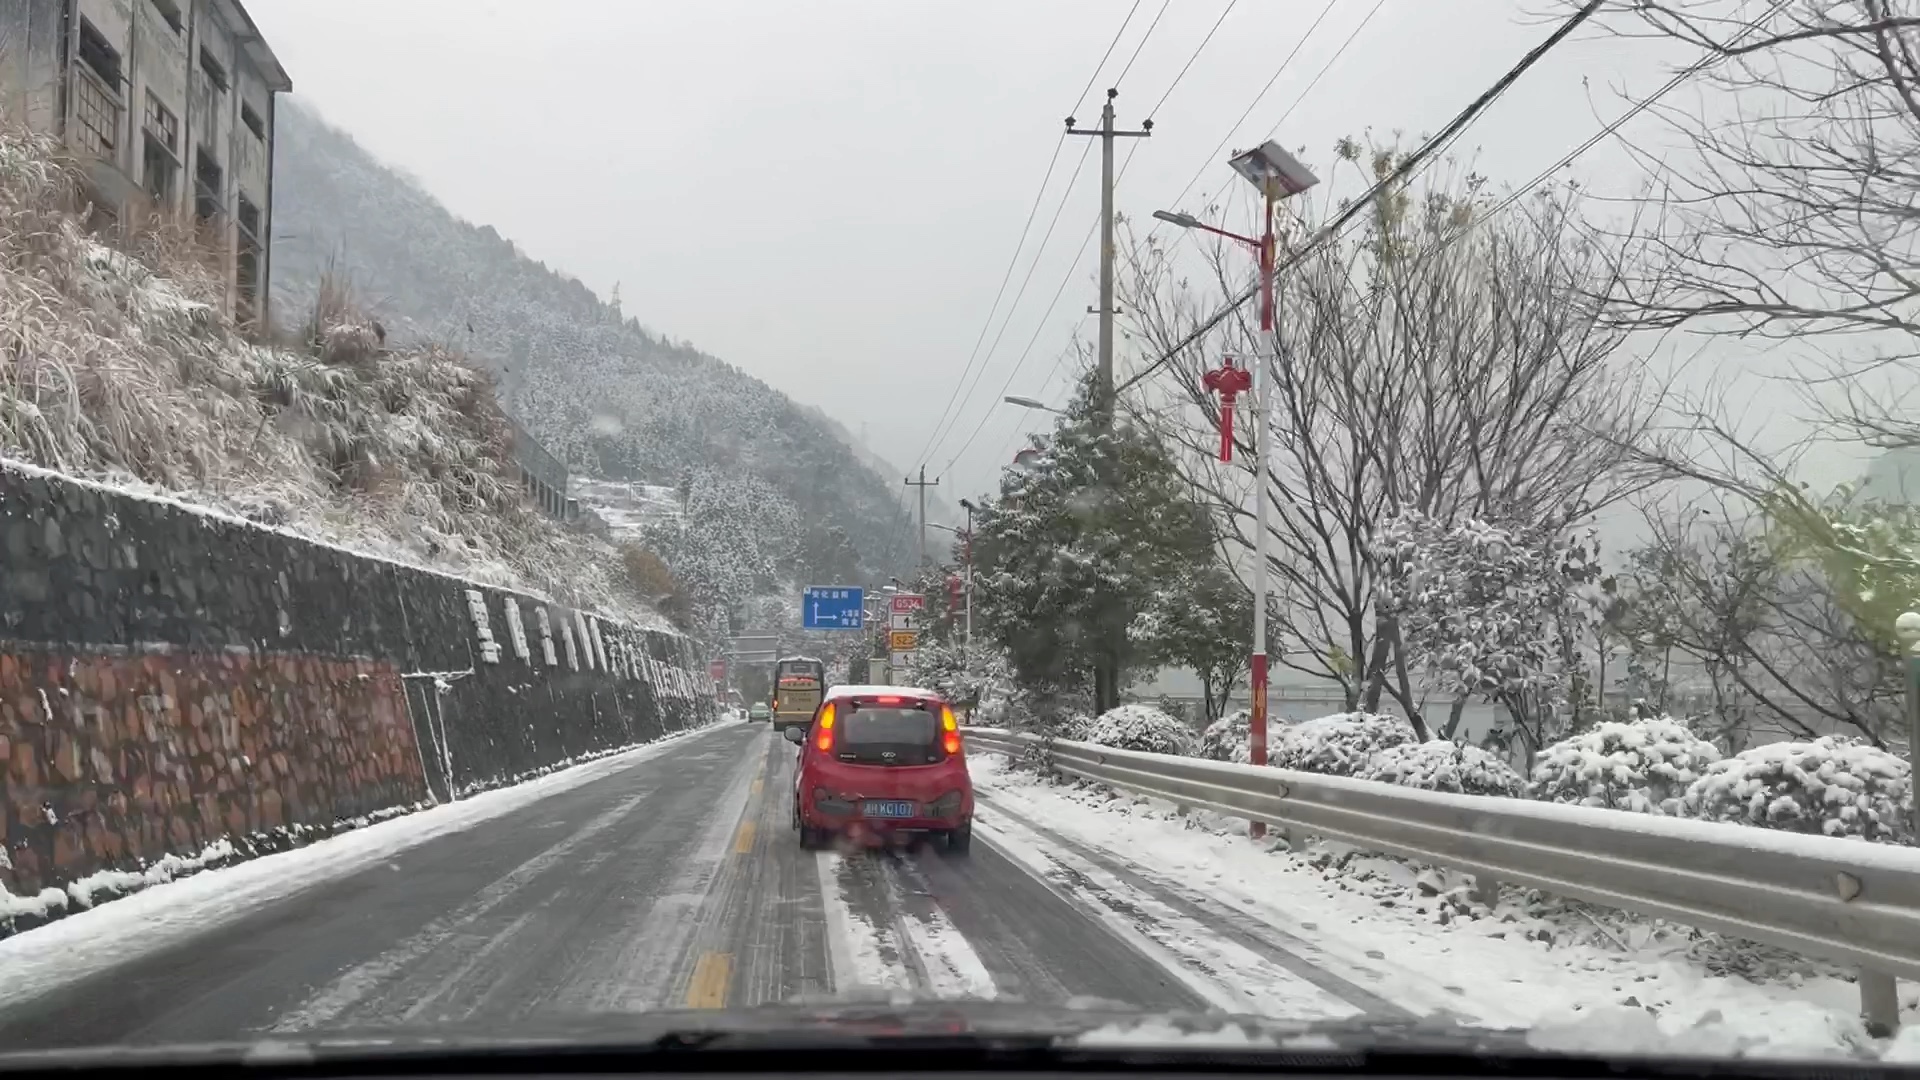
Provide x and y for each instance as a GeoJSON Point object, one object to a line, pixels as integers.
{"type": "Point", "coordinates": [832, 607]}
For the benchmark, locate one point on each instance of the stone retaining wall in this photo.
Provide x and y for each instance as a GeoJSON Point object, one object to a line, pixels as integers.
{"type": "Point", "coordinates": [169, 678]}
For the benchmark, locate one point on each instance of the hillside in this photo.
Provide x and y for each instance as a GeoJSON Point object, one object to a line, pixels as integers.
{"type": "Point", "coordinates": [611, 398]}
{"type": "Point", "coordinates": [124, 370]}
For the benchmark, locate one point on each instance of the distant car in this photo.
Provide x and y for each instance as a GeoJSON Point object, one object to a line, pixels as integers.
{"type": "Point", "coordinates": [881, 764]}
{"type": "Point", "coordinates": [759, 711]}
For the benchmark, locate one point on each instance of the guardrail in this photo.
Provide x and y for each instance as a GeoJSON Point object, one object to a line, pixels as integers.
{"type": "Point", "coordinates": [1843, 900]}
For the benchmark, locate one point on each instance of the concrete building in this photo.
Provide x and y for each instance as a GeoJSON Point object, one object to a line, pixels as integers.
{"type": "Point", "coordinates": [170, 104]}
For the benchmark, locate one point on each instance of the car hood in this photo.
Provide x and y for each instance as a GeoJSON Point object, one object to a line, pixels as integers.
{"type": "Point", "coordinates": [827, 1025]}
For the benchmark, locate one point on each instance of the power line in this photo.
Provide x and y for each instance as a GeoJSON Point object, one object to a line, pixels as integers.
{"type": "Point", "coordinates": [1142, 43]}
{"type": "Point", "coordinates": [1195, 55]}
{"type": "Point", "coordinates": [1014, 260]}
{"type": "Point", "coordinates": [1168, 93]}
{"type": "Point", "coordinates": [1255, 103]}
{"type": "Point", "coordinates": [1041, 325]}
{"type": "Point", "coordinates": [1426, 150]}
{"type": "Point", "coordinates": [1005, 277]}
{"type": "Point", "coordinates": [1298, 98]}
{"type": "Point", "coordinates": [1006, 320]}
{"type": "Point", "coordinates": [1091, 79]}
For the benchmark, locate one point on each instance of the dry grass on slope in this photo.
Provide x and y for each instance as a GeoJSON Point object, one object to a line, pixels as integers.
{"type": "Point", "coordinates": [120, 366]}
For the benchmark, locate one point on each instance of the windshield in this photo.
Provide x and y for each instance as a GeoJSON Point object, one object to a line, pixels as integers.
{"type": "Point", "coordinates": [1400, 520]}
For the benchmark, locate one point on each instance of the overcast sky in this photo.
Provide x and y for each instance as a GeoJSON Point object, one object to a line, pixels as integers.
{"type": "Point", "coordinates": [827, 194]}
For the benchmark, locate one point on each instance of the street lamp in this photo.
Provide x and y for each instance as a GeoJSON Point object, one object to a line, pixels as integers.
{"type": "Point", "coordinates": [1278, 175]}
{"type": "Point", "coordinates": [1029, 403]}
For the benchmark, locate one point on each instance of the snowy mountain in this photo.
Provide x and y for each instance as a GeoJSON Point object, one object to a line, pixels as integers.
{"type": "Point", "coordinates": [616, 401]}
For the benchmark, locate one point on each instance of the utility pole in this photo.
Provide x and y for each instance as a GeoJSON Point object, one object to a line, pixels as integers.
{"type": "Point", "coordinates": [1107, 134]}
{"type": "Point", "coordinates": [1106, 678]}
{"type": "Point", "coordinates": [923, 484]}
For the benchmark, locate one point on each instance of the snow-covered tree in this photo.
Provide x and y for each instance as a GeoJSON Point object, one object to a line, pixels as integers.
{"type": "Point", "coordinates": [1200, 617]}
{"type": "Point", "coordinates": [1343, 744]}
{"type": "Point", "coordinates": [1139, 727]}
{"type": "Point", "coordinates": [1830, 786]}
{"type": "Point", "coordinates": [1642, 766]}
{"type": "Point", "coordinates": [1496, 611]}
{"type": "Point", "coordinates": [1070, 553]}
{"type": "Point", "coordinates": [1439, 765]}
{"type": "Point", "coordinates": [727, 543]}
{"type": "Point", "coordinates": [970, 682]}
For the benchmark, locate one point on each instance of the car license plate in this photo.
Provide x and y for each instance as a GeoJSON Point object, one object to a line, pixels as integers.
{"type": "Point", "coordinates": [886, 808]}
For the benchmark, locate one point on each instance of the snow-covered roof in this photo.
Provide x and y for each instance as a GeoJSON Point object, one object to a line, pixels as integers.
{"type": "Point", "coordinates": [857, 690]}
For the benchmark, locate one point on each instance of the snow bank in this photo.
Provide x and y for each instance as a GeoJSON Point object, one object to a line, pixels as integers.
{"type": "Point", "coordinates": [1343, 744]}
{"type": "Point", "coordinates": [1831, 786]}
{"type": "Point", "coordinates": [1642, 766]}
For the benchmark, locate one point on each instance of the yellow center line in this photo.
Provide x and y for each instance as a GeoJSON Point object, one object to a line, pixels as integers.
{"type": "Point", "coordinates": [708, 990]}
{"type": "Point", "coordinates": [743, 843]}
{"type": "Point", "coordinates": [756, 786]}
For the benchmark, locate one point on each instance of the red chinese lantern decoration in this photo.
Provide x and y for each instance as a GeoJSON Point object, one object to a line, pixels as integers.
{"type": "Point", "coordinates": [1229, 382]}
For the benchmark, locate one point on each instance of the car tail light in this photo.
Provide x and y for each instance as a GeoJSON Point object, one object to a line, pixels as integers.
{"type": "Point", "coordinates": [945, 806]}
{"type": "Point", "coordinates": [950, 728]}
{"type": "Point", "coordinates": [888, 700]}
{"type": "Point", "coordinates": [824, 740]}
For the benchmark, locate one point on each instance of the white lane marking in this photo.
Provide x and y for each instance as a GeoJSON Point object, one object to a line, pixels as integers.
{"type": "Point", "coordinates": [862, 954]}
{"type": "Point", "coordinates": [1225, 973]}
{"type": "Point", "coordinates": [953, 969]}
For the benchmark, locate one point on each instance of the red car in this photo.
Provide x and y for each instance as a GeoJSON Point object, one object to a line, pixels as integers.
{"type": "Point", "coordinates": [879, 764]}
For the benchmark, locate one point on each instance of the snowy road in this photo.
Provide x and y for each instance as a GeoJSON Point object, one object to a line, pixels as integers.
{"type": "Point", "coordinates": [672, 881]}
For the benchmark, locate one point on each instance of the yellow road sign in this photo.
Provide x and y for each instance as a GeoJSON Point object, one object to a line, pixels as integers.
{"type": "Point", "coordinates": [903, 640]}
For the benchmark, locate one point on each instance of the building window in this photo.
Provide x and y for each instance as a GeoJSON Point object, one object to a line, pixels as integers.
{"type": "Point", "coordinates": [216, 75]}
{"type": "Point", "coordinates": [162, 124]}
{"type": "Point", "coordinates": [207, 186]}
{"type": "Point", "coordinates": [103, 58]}
{"type": "Point", "coordinates": [253, 122]}
{"type": "Point", "coordinates": [159, 157]}
{"type": "Point", "coordinates": [247, 259]}
{"type": "Point", "coordinates": [96, 94]}
{"type": "Point", "coordinates": [169, 11]}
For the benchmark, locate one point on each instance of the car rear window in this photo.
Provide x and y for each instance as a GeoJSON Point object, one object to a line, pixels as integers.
{"type": "Point", "coordinates": [874, 724]}
{"type": "Point", "coordinates": [888, 735]}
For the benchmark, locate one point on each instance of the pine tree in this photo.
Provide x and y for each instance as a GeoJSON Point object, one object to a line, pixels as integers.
{"type": "Point", "coordinates": [1076, 550]}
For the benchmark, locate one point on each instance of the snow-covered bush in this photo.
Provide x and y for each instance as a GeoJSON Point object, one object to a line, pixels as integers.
{"type": "Point", "coordinates": [1643, 766]}
{"type": "Point", "coordinates": [1343, 744]}
{"type": "Point", "coordinates": [1226, 739]}
{"type": "Point", "coordinates": [1139, 727]}
{"type": "Point", "coordinates": [1831, 786]}
{"type": "Point", "coordinates": [1440, 765]}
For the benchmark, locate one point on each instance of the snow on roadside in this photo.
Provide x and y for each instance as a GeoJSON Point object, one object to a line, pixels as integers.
{"type": "Point", "coordinates": [40, 960]}
{"type": "Point", "coordinates": [1508, 966]}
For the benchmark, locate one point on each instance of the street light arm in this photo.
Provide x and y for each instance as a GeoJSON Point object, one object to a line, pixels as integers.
{"type": "Point", "coordinates": [1188, 221]}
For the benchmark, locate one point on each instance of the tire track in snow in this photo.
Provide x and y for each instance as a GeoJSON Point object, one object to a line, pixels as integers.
{"type": "Point", "coordinates": [1241, 968]}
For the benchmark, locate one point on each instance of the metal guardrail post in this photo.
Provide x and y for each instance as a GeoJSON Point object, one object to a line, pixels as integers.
{"type": "Point", "coordinates": [1879, 1003]}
